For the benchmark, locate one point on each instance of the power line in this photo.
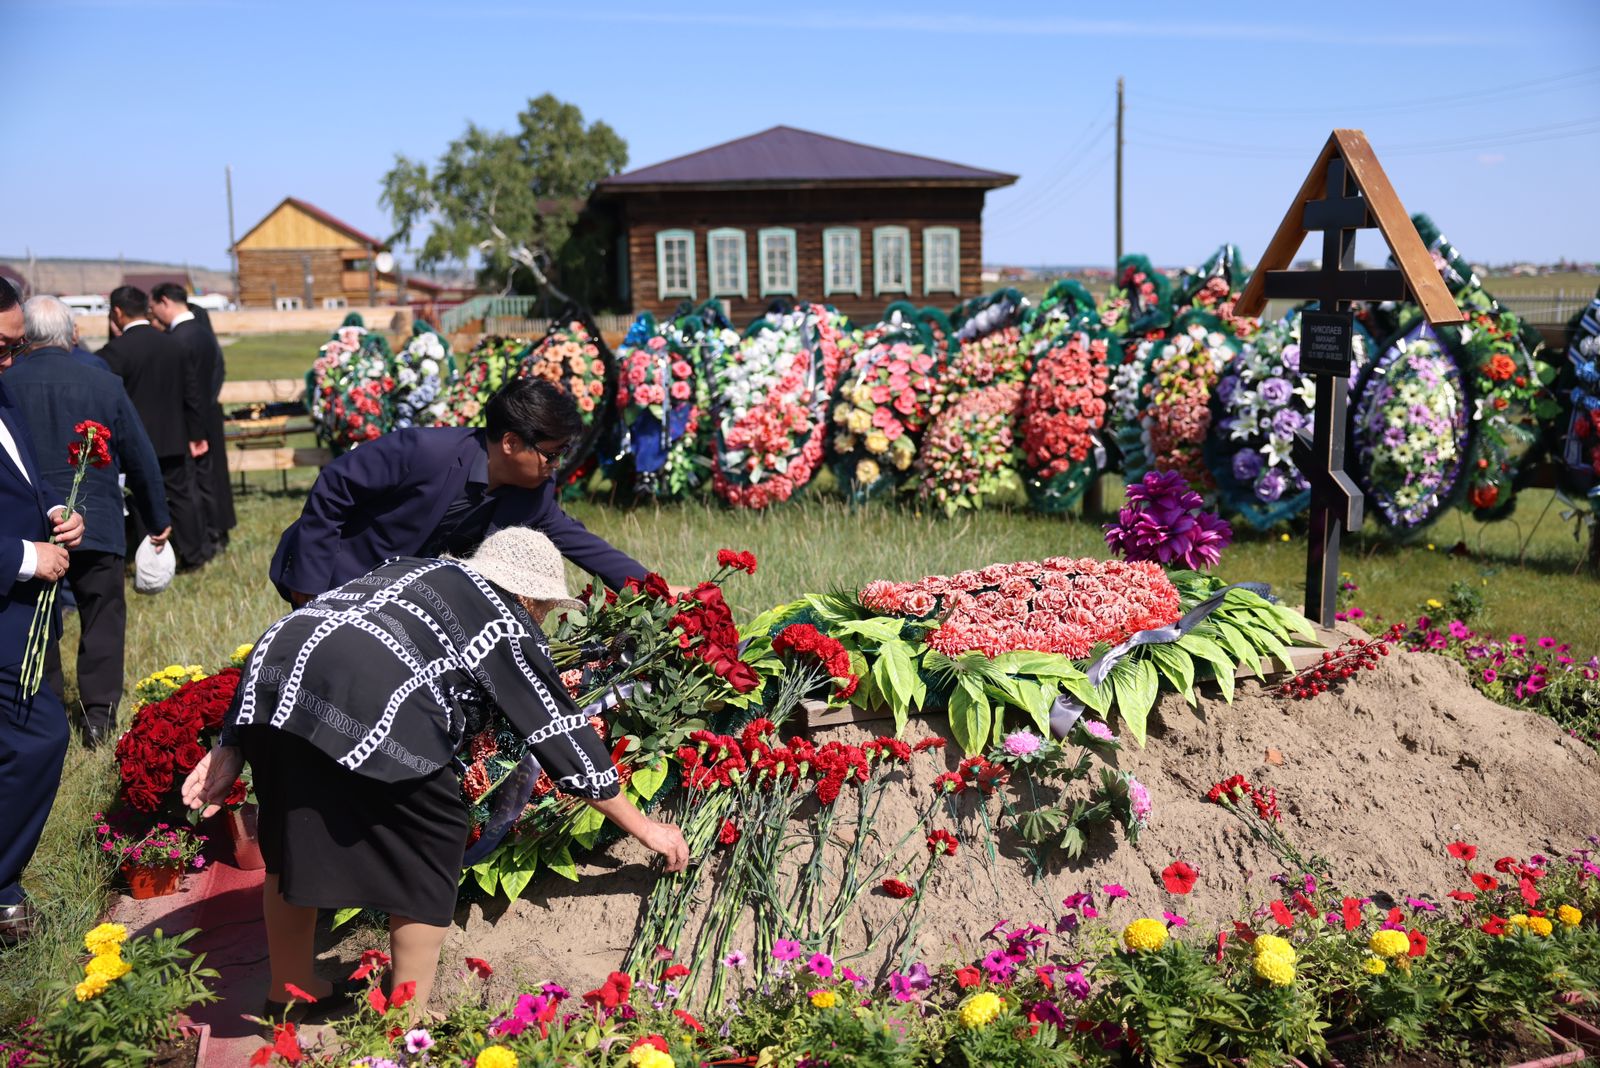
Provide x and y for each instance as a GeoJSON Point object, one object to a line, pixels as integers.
{"type": "Point", "coordinates": [1072, 158]}
{"type": "Point", "coordinates": [1526, 135]}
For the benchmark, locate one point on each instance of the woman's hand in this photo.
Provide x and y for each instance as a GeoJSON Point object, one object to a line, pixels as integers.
{"type": "Point", "coordinates": [666, 839]}
{"type": "Point", "coordinates": [208, 784]}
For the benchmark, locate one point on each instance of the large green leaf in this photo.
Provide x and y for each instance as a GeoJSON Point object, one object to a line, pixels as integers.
{"type": "Point", "coordinates": [647, 781]}
{"type": "Point", "coordinates": [1176, 666]}
{"type": "Point", "coordinates": [1136, 686]}
{"type": "Point", "coordinates": [1294, 621]}
{"type": "Point", "coordinates": [586, 827]}
{"type": "Point", "coordinates": [514, 882]}
{"type": "Point", "coordinates": [344, 916]}
{"type": "Point", "coordinates": [562, 864]}
{"type": "Point", "coordinates": [1029, 662]}
{"type": "Point", "coordinates": [1238, 645]}
{"type": "Point", "coordinates": [970, 715]}
{"type": "Point", "coordinates": [1223, 666]}
{"type": "Point", "coordinates": [487, 877]}
{"type": "Point", "coordinates": [897, 678]}
{"type": "Point", "coordinates": [1095, 697]}
{"type": "Point", "coordinates": [767, 621]}
{"type": "Point", "coordinates": [877, 628]}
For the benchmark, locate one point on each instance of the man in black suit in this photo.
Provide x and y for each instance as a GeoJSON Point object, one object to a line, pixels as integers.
{"type": "Point", "coordinates": [169, 306]}
{"type": "Point", "coordinates": [34, 541]}
{"type": "Point", "coordinates": [171, 403]}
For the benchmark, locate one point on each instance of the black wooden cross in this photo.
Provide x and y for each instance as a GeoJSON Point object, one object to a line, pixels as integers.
{"type": "Point", "coordinates": [1326, 337]}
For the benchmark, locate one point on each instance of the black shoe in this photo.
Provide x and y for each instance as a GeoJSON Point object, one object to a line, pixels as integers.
{"type": "Point", "coordinates": [95, 736]}
{"type": "Point", "coordinates": [17, 923]}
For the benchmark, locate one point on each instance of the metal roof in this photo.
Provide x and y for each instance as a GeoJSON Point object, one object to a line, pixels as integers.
{"type": "Point", "coordinates": [784, 155]}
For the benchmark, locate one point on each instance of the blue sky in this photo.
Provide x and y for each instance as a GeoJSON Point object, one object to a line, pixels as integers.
{"type": "Point", "coordinates": [123, 113]}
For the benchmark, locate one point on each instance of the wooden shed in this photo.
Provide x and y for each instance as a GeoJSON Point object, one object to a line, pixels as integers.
{"type": "Point", "coordinates": [787, 213]}
{"type": "Point", "coordinates": [300, 256]}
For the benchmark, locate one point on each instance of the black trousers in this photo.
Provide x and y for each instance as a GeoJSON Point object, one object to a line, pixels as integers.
{"type": "Point", "coordinates": [33, 744]}
{"type": "Point", "coordinates": [188, 510]}
{"type": "Point", "coordinates": [96, 580]}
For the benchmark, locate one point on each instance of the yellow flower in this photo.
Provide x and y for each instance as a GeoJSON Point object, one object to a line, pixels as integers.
{"type": "Point", "coordinates": [877, 442]}
{"type": "Point", "coordinates": [1283, 537]}
{"type": "Point", "coordinates": [867, 472]}
{"type": "Point", "coordinates": [241, 654]}
{"type": "Point", "coordinates": [1389, 943]}
{"type": "Point", "coordinates": [644, 1057]}
{"type": "Point", "coordinates": [860, 422]}
{"type": "Point", "coordinates": [841, 413]}
{"type": "Point", "coordinates": [1541, 926]}
{"type": "Point", "coordinates": [1430, 546]}
{"type": "Point", "coordinates": [91, 987]}
{"type": "Point", "coordinates": [901, 458]}
{"type": "Point", "coordinates": [500, 1057]}
{"type": "Point", "coordinates": [843, 443]}
{"type": "Point", "coordinates": [1375, 966]}
{"type": "Point", "coordinates": [1144, 935]}
{"type": "Point", "coordinates": [981, 1009]}
{"type": "Point", "coordinates": [1275, 969]}
{"type": "Point", "coordinates": [1435, 604]}
{"type": "Point", "coordinates": [107, 966]}
{"type": "Point", "coordinates": [105, 938]}
{"type": "Point", "coordinates": [1272, 946]}
{"type": "Point", "coordinates": [824, 999]}
{"type": "Point", "coordinates": [862, 396]}
{"type": "Point", "coordinates": [1519, 920]}
{"type": "Point", "coordinates": [1569, 916]}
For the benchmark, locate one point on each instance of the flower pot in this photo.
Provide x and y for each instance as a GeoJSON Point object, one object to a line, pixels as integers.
{"type": "Point", "coordinates": [242, 832]}
{"type": "Point", "coordinates": [188, 1050]}
{"type": "Point", "coordinates": [145, 881]}
{"type": "Point", "coordinates": [1576, 1029]}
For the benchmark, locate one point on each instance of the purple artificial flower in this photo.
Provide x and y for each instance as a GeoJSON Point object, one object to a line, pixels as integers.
{"type": "Point", "coordinates": [1270, 486]}
{"type": "Point", "coordinates": [736, 959]}
{"type": "Point", "coordinates": [418, 1040]}
{"type": "Point", "coordinates": [1174, 920]}
{"type": "Point", "coordinates": [999, 966]}
{"type": "Point", "coordinates": [1139, 799]}
{"type": "Point", "coordinates": [1164, 521]}
{"type": "Point", "coordinates": [919, 977]}
{"type": "Point", "coordinates": [1246, 465]}
{"type": "Point", "coordinates": [1227, 386]}
{"type": "Point", "coordinates": [900, 987]}
{"type": "Point", "coordinates": [1287, 421]}
{"type": "Point", "coordinates": [1291, 356]}
{"type": "Point", "coordinates": [1275, 392]}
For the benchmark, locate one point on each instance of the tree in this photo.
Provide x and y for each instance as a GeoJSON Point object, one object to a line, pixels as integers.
{"type": "Point", "coordinates": [512, 197]}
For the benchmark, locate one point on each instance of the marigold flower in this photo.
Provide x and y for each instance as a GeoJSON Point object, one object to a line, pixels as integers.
{"type": "Point", "coordinates": [107, 966]}
{"type": "Point", "coordinates": [1569, 916]}
{"type": "Point", "coordinates": [1277, 970]}
{"type": "Point", "coordinates": [1144, 935]}
{"type": "Point", "coordinates": [497, 1057]}
{"type": "Point", "coordinates": [824, 999]}
{"type": "Point", "coordinates": [1540, 926]}
{"type": "Point", "coordinates": [1389, 943]}
{"type": "Point", "coordinates": [105, 938]}
{"type": "Point", "coordinates": [1375, 966]}
{"type": "Point", "coordinates": [980, 1010]}
{"type": "Point", "coordinates": [1268, 945]}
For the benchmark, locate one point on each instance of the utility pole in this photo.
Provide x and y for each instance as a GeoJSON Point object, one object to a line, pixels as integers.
{"type": "Point", "coordinates": [233, 253]}
{"type": "Point", "coordinates": [1119, 179]}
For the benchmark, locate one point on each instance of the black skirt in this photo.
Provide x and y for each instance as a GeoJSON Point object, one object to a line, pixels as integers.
{"type": "Point", "coordinates": [337, 839]}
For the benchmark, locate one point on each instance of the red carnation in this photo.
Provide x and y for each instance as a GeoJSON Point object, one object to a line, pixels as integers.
{"type": "Point", "coordinates": [729, 833]}
{"type": "Point", "coordinates": [897, 889]}
{"type": "Point", "coordinates": [942, 842]}
{"type": "Point", "coordinates": [739, 561]}
{"type": "Point", "coordinates": [1179, 877]}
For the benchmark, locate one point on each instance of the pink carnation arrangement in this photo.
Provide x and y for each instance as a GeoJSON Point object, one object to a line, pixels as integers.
{"type": "Point", "coordinates": [1178, 415]}
{"type": "Point", "coordinates": [1064, 404]}
{"type": "Point", "coordinates": [996, 358]}
{"type": "Point", "coordinates": [969, 448]}
{"type": "Point", "coordinates": [883, 404]}
{"type": "Point", "coordinates": [1060, 605]}
{"type": "Point", "coordinates": [775, 390]}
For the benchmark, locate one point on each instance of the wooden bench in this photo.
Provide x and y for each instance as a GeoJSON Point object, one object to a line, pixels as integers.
{"type": "Point", "coordinates": [259, 441]}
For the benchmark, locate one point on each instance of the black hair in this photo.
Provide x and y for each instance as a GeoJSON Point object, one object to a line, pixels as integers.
{"type": "Point", "coordinates": [8, 296]}
{"type": "Point", "coordinates": [170, 291]}
{"type": "Point", "coordinates": [532, 409]}
{"type": "Point", "coordinates": [130, 300]}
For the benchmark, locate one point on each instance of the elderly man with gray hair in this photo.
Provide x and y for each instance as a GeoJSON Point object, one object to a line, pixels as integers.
{"type": "Point", "coordinates": [55, 392]}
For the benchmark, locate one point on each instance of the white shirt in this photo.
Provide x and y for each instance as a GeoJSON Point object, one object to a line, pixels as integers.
{"type": "Point", "coordinates": [176, 319]}
{"type": "Point", "coordinates": [30, 555]}
{"type": "Point", "coordinates": [137, 322]}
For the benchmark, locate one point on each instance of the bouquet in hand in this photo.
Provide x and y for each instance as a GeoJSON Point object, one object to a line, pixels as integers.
{"type": "Point", "coordinates": [91, 449]}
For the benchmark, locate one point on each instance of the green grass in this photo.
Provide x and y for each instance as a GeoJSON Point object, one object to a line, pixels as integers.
{"type": "Point", "coordinates": [256, 356]}
{"type": "Point", "coordinates": [815, 544]}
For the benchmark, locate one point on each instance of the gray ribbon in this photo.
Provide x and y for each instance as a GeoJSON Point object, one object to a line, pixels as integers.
{"type": "Point", "coordinates": [1067, 710]}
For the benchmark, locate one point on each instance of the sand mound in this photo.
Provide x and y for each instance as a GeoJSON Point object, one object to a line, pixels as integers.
{"type": "Point", "coordinates": [1376, 778]}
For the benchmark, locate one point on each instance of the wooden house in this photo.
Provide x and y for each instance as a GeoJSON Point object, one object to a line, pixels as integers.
{"type": "Point", "coordinates": [796, 215]}
{"type": "Point", "coordinates": [300, 256]}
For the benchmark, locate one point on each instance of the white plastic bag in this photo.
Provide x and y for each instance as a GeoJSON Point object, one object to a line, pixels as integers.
{"type": "Point", "coordinates": [152, 570]}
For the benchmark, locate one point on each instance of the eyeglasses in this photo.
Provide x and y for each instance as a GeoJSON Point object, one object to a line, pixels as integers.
{"type": "Point", "coordinates": [552, 458]}
{"type": "Point", "coordinates": [15, 348]}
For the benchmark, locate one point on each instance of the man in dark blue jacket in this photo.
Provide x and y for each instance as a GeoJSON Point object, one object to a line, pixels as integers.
{"type": "Point", "coordinates": [423, 492]}
{"type": "Point", "coordinates": [33, 730]}
{"type": "Point", "coordinates": [55, 393]}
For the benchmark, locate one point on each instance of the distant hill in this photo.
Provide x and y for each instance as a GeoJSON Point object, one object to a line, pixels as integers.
{"type": "Point", "coordinates": [68, 276]}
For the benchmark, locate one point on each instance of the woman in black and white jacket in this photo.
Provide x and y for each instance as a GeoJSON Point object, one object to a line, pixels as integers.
{"type": "Point", "coordinates": [350, 713]}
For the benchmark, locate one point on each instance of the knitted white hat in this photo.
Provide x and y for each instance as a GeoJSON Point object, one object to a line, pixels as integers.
{"type": "Point", "coordinates": [525, 563]}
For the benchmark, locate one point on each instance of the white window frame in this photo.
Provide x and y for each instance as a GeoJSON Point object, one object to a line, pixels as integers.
{"type": "Point", "coordinates": [880, 262]}
{"type": "Point", "coordinates": [929, 236]}
{"type": "Point", "coordinates": [828, 261]}
{"type": "Point", "coordinates": [662, 289]}
{"type": "Point", "coordinates": [334, 302]}
{"type": "Point", "coordinates": [764, 240]}
{"type": "Point", "coordinates": [289, 304]}
{"type": "Point", "coordinates": [742, 289]}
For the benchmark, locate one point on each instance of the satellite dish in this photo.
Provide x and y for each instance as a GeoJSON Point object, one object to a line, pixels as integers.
{"type": "Point", "coordinates": [384, 262]}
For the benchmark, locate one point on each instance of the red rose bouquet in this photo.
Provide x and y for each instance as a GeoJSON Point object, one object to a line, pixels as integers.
{"type": "Point", "coordinates": [1063, 410]}
{"type": "Point", "coordinates": [166, 740]}
{"type": "Point", "coordinates": [91, 449]}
